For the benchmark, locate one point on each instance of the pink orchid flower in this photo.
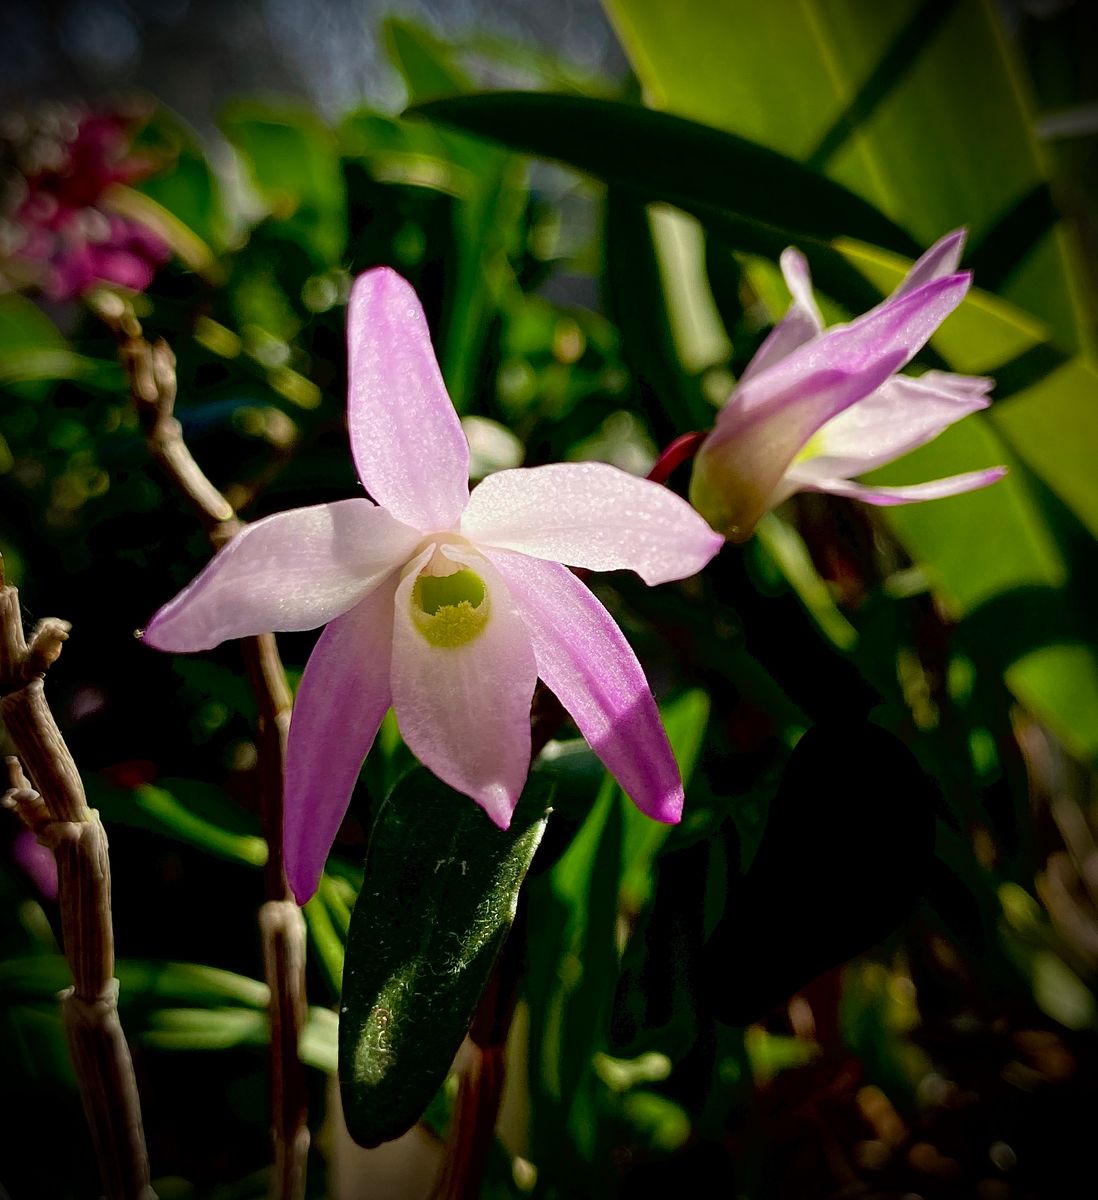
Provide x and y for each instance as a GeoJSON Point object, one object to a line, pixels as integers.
{"type": "Point", "coordinates": [817, 406]}
{"type": "Point", "coordinates": [445, 605]}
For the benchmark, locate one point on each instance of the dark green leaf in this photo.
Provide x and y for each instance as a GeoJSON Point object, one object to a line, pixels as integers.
{"type": "Point", "coordinates": [661, 157]}
{"type": "Point", "coordinates": [437, 900]}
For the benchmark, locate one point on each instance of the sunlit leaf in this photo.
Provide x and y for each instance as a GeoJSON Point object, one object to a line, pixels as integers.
{"type": "Point", "coordinates": [916, 106]}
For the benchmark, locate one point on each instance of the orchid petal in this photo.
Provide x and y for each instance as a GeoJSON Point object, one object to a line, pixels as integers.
{"type": "Point", "coordinates": [464, 710]}
{"type": "Point", "coordinates": [900, 326]}
{"type": "Point", "coordinates": [934, 489]}
{"type": "Point", "coordinates": [294, 570]}
{"type": "Point", "coordinates": [591, 515]}
{"type": "Point", "coordinates": [940, 260]}
{"type": "Point", "coordinates": [340, 703]}
{"type": "Point", "coordinates": [586, 662]}
{"type": "Point", "coordinates": [800, 324]}
{"type": "Point", "coordinates": [406, 439]}
{"type": "Point", "coordinates": [739, 469]}
{"type": "Point", "coordinates": [901, 415]}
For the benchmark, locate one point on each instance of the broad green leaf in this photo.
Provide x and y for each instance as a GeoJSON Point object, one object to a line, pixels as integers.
{"type": "Point", "coordinates": [292, 160]}
{"type": "Point", "coordinates": [437, 900]}
{"type": "Point", "coordinates": [915, 106]}
{"type": "Point", "coordinates": [660, 157]}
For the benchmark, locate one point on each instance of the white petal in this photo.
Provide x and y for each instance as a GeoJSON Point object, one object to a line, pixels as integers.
{"type": "Point", "coordinates": [295, 570]}
{"type": "Point", "coordinates": [591, 515]}
{"type": "Point", "coordinates": [898, 417]}
{"type": "Point", "coordinates": [465, 710]}
{"type": "Point", "coordinates": [914, 493]}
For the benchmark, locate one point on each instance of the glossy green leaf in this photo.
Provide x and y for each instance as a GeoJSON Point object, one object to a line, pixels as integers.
{"type": "Point", "coordinates": [660, 157]}
{"type": "Point", "coordinates": [437, 900]}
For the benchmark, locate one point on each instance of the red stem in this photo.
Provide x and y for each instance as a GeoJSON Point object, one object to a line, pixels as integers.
{"type": "Point", "coordinates": [674, 455]}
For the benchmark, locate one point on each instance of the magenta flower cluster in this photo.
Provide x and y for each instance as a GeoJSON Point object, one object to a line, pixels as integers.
{"type": "Point", "coordinates": [66, 236]}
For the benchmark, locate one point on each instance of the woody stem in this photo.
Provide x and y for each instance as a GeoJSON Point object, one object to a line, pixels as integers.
{"type": "Point", "coordinates": [150, 371]}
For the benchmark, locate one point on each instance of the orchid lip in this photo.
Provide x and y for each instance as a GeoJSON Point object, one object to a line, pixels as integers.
{"type": "Point", "coordinates": [449, 602]}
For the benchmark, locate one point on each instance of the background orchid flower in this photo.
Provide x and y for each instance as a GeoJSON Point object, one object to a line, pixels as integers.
{"type": "Point", "coordinates": [446, 606]}
{"type": "Point", "coordinates": [817, 406]}
{"type": "Point", "coordinates": [64, 233]}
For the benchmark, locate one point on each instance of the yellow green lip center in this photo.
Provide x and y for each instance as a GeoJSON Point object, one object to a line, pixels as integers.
{"type": "Point", "coordinates": [450, 610]}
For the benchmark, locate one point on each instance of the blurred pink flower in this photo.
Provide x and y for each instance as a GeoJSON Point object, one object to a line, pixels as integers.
{"type": "Point", "coordinates": [817, 406]}
{"type": "Point", "coordinates": [445, 605]}
{"type": "Point", "coordinates": [37, 861]}
{"type": "Point", "coordinates": [65, 232]}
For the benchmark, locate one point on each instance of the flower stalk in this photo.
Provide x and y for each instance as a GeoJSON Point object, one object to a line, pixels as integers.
{"type": "Point", "coordinates": [52, 803]}
{"type": "Point", "coordinates": [150, 370]}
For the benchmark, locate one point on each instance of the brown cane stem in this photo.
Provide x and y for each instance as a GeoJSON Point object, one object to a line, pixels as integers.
{"type": "Point", "coordinates": [53, 805]}
{"type": "Point", "coordinates": [150, 371]}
